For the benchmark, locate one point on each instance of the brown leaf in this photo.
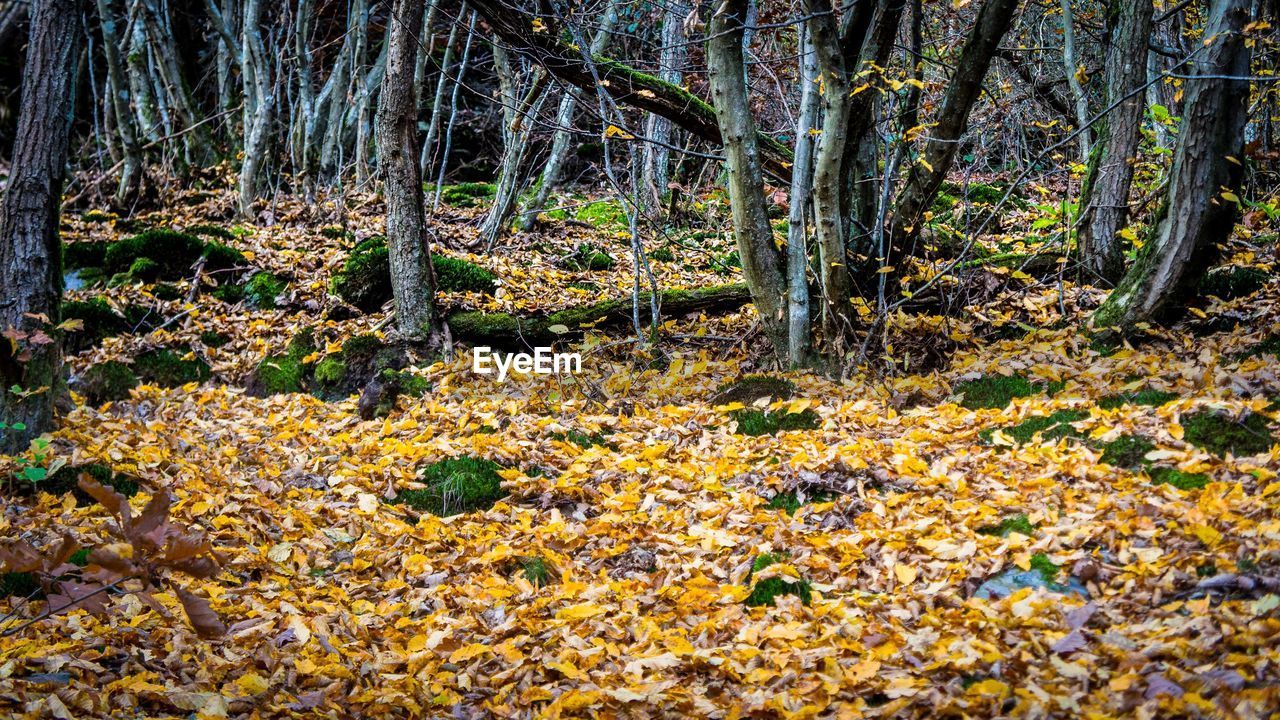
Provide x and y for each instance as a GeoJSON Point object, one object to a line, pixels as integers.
{"type": "Point", "coordinates": [206, 622]}
{"type": "Point", "coordinates": [113, 501]}
{"type": "Point", "coordinates": [155, 514]}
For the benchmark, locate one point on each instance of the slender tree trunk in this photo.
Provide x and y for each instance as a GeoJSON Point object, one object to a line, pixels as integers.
{"type": "Point", "coordinates": [1071, 64]}
{"type": "Point", "coordinates": [671, 58]}
{"type": "Point", "coordinates": [762, 263]}
{"type": "Point", "coordinates": [125, 123]}
{"type": "Point", "coordinates": [254, 68]}
{"type": "Point", "coordinates": [442, 84]}
{"type": "Point", "coordinates": [453, 112]}
{"type": "Point", "coordinates": [798, 319]}
{"type": "Point", "coordinates": [519, 109]}
{"type": "Point", "coordinates": [554, 165]}
{"type": "Point", "coordinates": [30, 249]}
{"type": "Point", "coordinates": [1105, 194]}
{"type": "Point", "coordinates": [1201, 206]}
{"type": "Point", "coordinates": [412, 280]}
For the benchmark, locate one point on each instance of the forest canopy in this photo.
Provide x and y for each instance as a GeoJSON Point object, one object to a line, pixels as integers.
{"type": "Point", "coordinates": [639, 358]}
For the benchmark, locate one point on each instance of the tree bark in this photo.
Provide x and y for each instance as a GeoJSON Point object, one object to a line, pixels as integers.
{"type": "Point", "coordinates": [1104, 196]}
{"type": "Point", "coordinates": [520, 106]}
{"type": "Point", "coordinates": [800, 341]}
{"type": "Point", "coordinates": [30, 249]}
{"type": "Point", "coordinates": [259, 104]}
{"type": "Point", "coordinates": [1207, 169]}
{"type": "Point", "coordinates": [624, 85]}
{"type": "Point", "coordinates": [413, 283]}
{"type": "Point", "coordinates": [655, 158]}
{"type": "Point", "coordinates": [1070, 64]}
{"type": "Point", "coordinates": [762, 264]}
{"type": "Point", "coordinates": [125, 122]}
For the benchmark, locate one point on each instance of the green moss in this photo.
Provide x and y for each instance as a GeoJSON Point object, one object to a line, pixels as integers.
{"type": "Point", "coordinates": [1048, 427]}
{"type": "Point", "coordinates": [166, 292]}
{"type": "Point", "coordinates": [456, 485]}
{"type": "Point", "coordinates": [365, 278]}
{"type": "Point", "coordinates": [476, 324]}
{"type": "Point", "coordinates": [337, 232]}
{"type": "Point", "coordinates": [1231, 283]}
{"type": "Point", "coordinates": [229, 292]}
{"type": "Point", "coordinates": [145, 269]}
{"type": "Point", "coordinates": [1047, 568]}
{"type": "Point", "coordinates": [173, 252]}
{"type": "Point", "coordinates": [67, 480]}
{"type": "Point", "coordinates": [663, 254]}
{"type": "Point", "coordinates": [100, 321]}
{"type": "Point", "coordinates": [407, 383]}
{"type": "Point", "coordinates": [454, 275]}
{"type": "Point", "coordinates": [1177, 478]}
{"type": "Point", "coordinates": [211, 231]}
{"type": "Point", "coordinates": [279, 374]}
{"type": "Point", "coordinates": [581, 439]}
{"type": "Point", "coordinates": [466, 194]}
{"type": "Point", "coordinates": [764, 593]}
{"type": "Point", "coordinates": [790, 500]}
{"type": "Point", "coordinates": [330, 371]}
{"type": "Point", "coordinates": [751, 388]}
{"type": "Point", "coordinates": [80, 558]}
{"type": "Point", "coordinates": [1148, 397]}
{"type": "Point", "coordinates": [1127, 451]}
{"type": "Point", "coordinates": [1015, 524]}
{"type": "Point", "coordinates": [588, 258]}
{"type": "Point", "coordinates": [107, 382]}
{"type": "Point", "coordinates": [764, 422]}
{"type": "Point", "coordinates": [97, 216]}
{"type": "Point", "coordinates": [218, 256]}
{"type": "Point", "coordinates": [944, 203]}
{"type": "Point", "coordinates": [78, 255]}
{"type": "Point", "coordinates": [167, 367]}
{"type": "Point", "coordinates": [263, 288]}
{"type": "Point", "coordinates": [213, 338]}
{"type": "Point", "coordinates": [536, 571]}
{"type": "Point", "coordinates": [994, 391]}
{"type": "Point", "coordinates": [20, 585]}
{"type": "Point", "coordinates": [1222, 435]}
{"type": "Point", "coordinates": [603, 214]}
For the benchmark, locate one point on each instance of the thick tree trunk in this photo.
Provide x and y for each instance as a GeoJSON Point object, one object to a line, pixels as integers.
{"type": "Point", "coordinates": [30, 250]}
{"type": "Point", "coordinates": [762, 264]}
{"type": "Point", "coordinates": [927, 175]}
{"type": "Point", "coordinates": [1206, 173]}
{"type": "Point", "coordinates": [1105, 194]}
{"type": "Point", "coordinates": [413, 283]}
{"type": "Point", "coordinates": [624, 85]}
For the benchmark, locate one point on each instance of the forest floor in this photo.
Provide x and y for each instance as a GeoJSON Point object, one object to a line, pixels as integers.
{"type": "Point", "coordinates": [918, 549]}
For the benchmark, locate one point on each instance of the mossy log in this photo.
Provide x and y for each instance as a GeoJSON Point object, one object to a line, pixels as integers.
{"type": "Point", "coordinates": [504, 329]}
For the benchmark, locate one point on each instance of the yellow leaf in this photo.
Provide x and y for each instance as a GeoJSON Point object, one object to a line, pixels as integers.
{"type": "Point", "coordinates": [252, 684]}
{"type": "Point", "coordinates": [905, 573]}
{"type": "Point", "coordinates": [1206, 534]}
{"type": "Point", "coordinates": [613, 131]}
{"type": "Point", "coordinates": [580, 611]}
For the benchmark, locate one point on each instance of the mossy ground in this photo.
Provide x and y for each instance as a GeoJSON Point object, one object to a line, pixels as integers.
{"type": "Point", "coordinates": [168, 254]}
{"type": "Point", "coordinates": [790, 500]}
{"type": "Point", "coordinates": [456, 485]}
{"type": "Point", "coordinates": [1019, 523]}
{"type": "Point", "coordinates": [107, 382]}
{"type": "Point", "coordinates": [1222, 435]}
{"type": "Point", "coordinates": [284, 373]}
{"type": "Point", "coordinates": [1147, 397]}
{"type": "Point", "coordinates": [997, 391]}
{"type": "Point", "coordinates": [1178, 478]}
{"type": "Point", "coordinates": [1233, 282]}
{"type": "Point", "coordinates": [765, 592]}
{"type": "Point", "coordinates": [171, 367]}
{"type": "Point", "coordinates": [768, 422]}
{"type": "Point", "coordinates": [1054, 426]}
{"type": "Point", "coordinates": [751, 388]}
{"type": "Point", "coordinates": [365, 278]}
{"type": "Point", "coordinates": [263, 288]}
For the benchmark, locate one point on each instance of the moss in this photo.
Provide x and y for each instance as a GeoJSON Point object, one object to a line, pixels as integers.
{"type": "Point", "coordinates": [279, 374]}
{"type": "Point", "coordinates": [581, 439]}
{"type": "Point", "coordinates": [407, 383]}
{"type": "Point", "coordinates": [1222, 435]}
{"type": "Point", "coordinates": [78, 255]}
{"type": "Point", "coordinates": [337, 232]}
{"type": "Point", "coordinates": [1048, 427]}
{"type": "Point", "coordinates": [96, 216]}
{"type": "Point", "coordinates": [588, 258]}
{"type": "Point", "coordinates": [80, 558]}
{"type": "Point", "coordinates": [1270, 346]}
{"type": "Point", "coordinates": [107, 382]}
{"type": "Point", "coordinates": [477, 324]}
{"type": "Point", "coordinates": [218, 256]}
{"type": "Point", "coordinates": [166, 292]}
{"type": "Point", "coordinates": [764, 422]}
{"type": "Point", "coordinates": [588, 286]}
{"type": "Point", "coordinates": [1147, 397]}
{"type": "Point", "coordinates": [751, 388]}
{"type": "Point", "coordinates": [1127, 451]}
{"type": "Point", "coordinates": [365, 278]}
{"type": "Point", "coordinates": [455, 275]}
{"type": "Point", "coordinates": [330, 371]}
{"type": "Point", "coordinates": [1231, 283]}
{"type": "Point", "coordinates": [167, 367]}
{"type": "Point", "coordinates": [67, 480]}
{"type": "Point", "coordinates": [145, 269]}
{"type": "Point", "coordinates": [536, 571]}
{"type": "Point", "coordinates": [994, 391]}
{"type": "Point", "coordinates": [765, 592]}
{"type": "Point", "coordinates": [790, 500]}
{"type": "Point", "coordinates": [262, 290]}
{"type": "Point", "coordinates": [100, 321]}
{"type": "Point", "coordinates": [465, 194]}
{"type": "Point", "coordinates": [603, 214]}
{"type": "Point", "coordinates": [20, 585]}
{"type": "Point", "coordinates": [456, 485]}
{"type": "Point", "coordinates": [1178, 478]}
{"type": "Point", "coordinates": [1047, 568]}
{"type": "Point", "coordinates": [211, 231]}
{"type": "Point", "coordinates": [172, 252]}
{"type": "Point", "coordinates": [663, 254]}
{"type": "Point", "coordinates": [213, 338]}
{"type": "Point", "coordinates": [229, 292]}
{"type": "Point", "coordinates": [944, 203]}
{"type": "Point", "coordinates": [1015, 524]}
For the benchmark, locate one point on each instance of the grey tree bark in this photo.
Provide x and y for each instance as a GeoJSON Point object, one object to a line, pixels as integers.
{"type": "Point", "coordinates": [762, 263]}
{"type": "Point", "coordinates": [30, 249]}
{"type": "Point", "coordinates": [1070, 63]}
{"type": "Point", "coordinates": [125, 122]}
{"type": "Point", "coordinates": [1104, 196]}
{"type": "Point", "coordinates": [1200, 205]}
{"type": "Point", "coordinates": [800, 340]}
{"type": "Point", "coordinates": [412, 280]}
{"type": "Point", "coordinates": [655, 158]}
{"type": "Point", "coordinates": [521, 102]}
{"type": "Point", "coordinates": [259, 104]}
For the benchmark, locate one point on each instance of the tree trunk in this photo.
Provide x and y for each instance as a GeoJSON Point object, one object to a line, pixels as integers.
{"type": "Point", "coordinates": [1206, 173]}
{"type": "Point", "coordinates": [654, 172]}
{"type": "Point", "coordinates": [413, 283]}
{"type": "Point", "coordinates": [30, 249]}
{"type": "Point", "coordinates": [798, 319]}
{"type": "Point", "coordinates": [926, 177]}
{"type": "Point", "coordinates": [125, 122]}
{"type": "Point", "coordinates": [254, 68]}
{"type": "Point", "coordinates": [1104, 196]}
{"type": "Point", "coordinates": [761, 262]}
{"type": "Point", "coordinates": [519, 109]}
{"type": "Point", "coordinates": [1070, 64]}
